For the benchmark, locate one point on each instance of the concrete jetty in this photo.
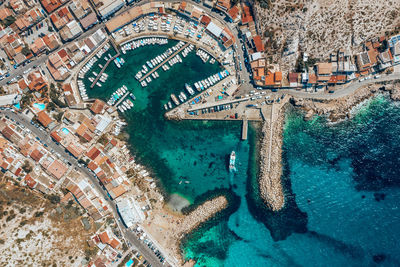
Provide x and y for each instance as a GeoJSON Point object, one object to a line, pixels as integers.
{"type": "Point", "coordinates": [214, 104]}
{"type": "Point", "coordinates": [244, 128]}
{"type": "Point", "coordinates": [105, 65]}
{"type": "Point", "coordinates": [162, 63]}
{"type": "Point", "coordinates": [122, 99]}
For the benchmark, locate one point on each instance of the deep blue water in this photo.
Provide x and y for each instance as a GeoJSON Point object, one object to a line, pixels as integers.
{"type": "Point", "coordinates": [341, 183]}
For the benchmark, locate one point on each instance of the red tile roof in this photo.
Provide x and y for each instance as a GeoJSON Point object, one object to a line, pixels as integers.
{"type": "Point", "coordinates": [29, 181]}
{"type": "Point", "coordinates": [114, 243]}
{"type": "Point", "coordinates": [93, 153]}
{"type": "Point", "coordinates": [55, 136]}
{"type": "Point", "coordinates": [205, 20]}
{"type": "Point", "coordinates": [43, 118]}
{"type": "Point", "coordinates": [36, 155]}
{"type": "Point", "coordinates": [97, 106]}
{"type": "Point", "coordinates": [258, 43]}
{"type": "Point", "coordinates": [246, 15]}
{"type": "Point", "coordinates": [104, 238]}
{"type": "Point", "coordinates": [233, 12]}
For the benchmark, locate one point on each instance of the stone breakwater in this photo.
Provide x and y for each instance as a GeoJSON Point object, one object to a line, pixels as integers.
{"type": "Point", "coordinates": [177, 114]}
{"type": "Point", "coordinates": [269, 179]}
{"type": "Point", "coordinates": [190, 222]}
{"type": "Point", "coordinates": [169, 228]}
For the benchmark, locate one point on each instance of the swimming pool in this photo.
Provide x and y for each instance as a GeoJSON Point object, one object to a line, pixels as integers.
{"type": "Point", "coordinates": [65, 130]}
{"type": "Point", "coordinates": [18, 105]}
{"type": "Point", "coordinates": [129, 263]}
{"type": "Point", "coordinates": [39, 106]}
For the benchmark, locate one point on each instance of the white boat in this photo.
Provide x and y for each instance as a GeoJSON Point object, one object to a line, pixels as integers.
{"type": "Point", "coordinates": [232, 161]}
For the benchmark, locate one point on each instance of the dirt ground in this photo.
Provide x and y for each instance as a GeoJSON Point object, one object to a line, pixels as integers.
{"type": "Point", "coordinates": [319, 27]}
{"type": "Point", "coordinates": [35, 231]}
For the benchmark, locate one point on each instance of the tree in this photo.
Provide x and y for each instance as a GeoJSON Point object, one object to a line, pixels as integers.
{"type": "Point", "coordinates": [26, 51]}
{"type": "Point", "coordinates": [103, 140]}
{"type": "Point", "coordinates": [27, 167]}
{"type": "Point", "coordinates": [9, 20]}
{"type": "Point", "coordinates": [51, 106]}
{"type": "Point", "coordinates": [59, 116]}
{"type": "Point", "coordinates": [26, 100]}
{"type": "Point", "coordinates": [54, 199]}
{"type": "Point", "coordinates": [54, 97]}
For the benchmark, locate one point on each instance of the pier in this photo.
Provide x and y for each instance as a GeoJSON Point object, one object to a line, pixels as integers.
{"type": "Point", "coordinates": [122, 99]}
{"type": "Point", "coordinates": [244, 128]}
{"type": "Point", "coordinates": [105, 65]}
{"type": "Point", "coordinates": [162, 63]}
{"type": "Point", "coordinates": [264, 114]}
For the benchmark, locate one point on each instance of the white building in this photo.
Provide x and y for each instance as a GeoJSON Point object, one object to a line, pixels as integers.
{"type": "Point", "coordinates": [129, 211]}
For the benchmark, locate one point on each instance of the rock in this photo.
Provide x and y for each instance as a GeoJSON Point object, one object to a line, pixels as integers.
{"type": "Point", "coordinates": [309, 114]}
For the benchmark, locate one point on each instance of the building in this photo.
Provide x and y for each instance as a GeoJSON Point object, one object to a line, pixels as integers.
{"type": "Point", "coordinates": [98, 106]}
{"type": "Point", "coordinates": [69, 95]}
{"type": "Point", "coordinates": [223, 5]}
{"type": "Point", "coordinates": [50, 5]}
{"type": "Point", "coordinates": [8, 100]}
{"type": "Point", "coordinates": [45, 119]}
{"type": "Point", "coordinates": [89, 21]}
{"type": "Point", "coordinates": [61, 17]}
{"type": "Point", "coordinates": [129, 211]}
{"type": "Point", "coordinates": [323, 71]}
{"type": "Point", "coordinates": [108, 7]}
{"type": "Point", "coordinates": [80, 8]}
{"type": "Point", "coordinates": [70, 31]}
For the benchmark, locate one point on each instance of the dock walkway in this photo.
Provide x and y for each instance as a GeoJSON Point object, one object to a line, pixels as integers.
{"type": "Point", "coordinates": [244, 128]}
{"type": "Point", "coordinates": [165, 61]}
{"type": "Point", "coordinates": [105, 66]}
{"type": "Point", "coordinates": [122, 98]}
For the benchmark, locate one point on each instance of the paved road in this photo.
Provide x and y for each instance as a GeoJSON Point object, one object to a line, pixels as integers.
{"type": "Point", "coordinates": [45, 137]}
{"type": "Point", "coordinates": [345, 90]}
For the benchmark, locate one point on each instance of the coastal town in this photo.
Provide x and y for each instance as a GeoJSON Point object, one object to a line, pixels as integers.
{"type": "Point", "coordinates": [71, 150]}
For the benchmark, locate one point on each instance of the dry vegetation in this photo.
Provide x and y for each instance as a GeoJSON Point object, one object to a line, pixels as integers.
{"type": "Point", "coordinates": [35, 231]}
{"type": "Point", "coordinates": [322, 26]}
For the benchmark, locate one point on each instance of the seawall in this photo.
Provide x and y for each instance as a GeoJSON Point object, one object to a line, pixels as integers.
{"type": "Point", "coordinates": [270, 161]}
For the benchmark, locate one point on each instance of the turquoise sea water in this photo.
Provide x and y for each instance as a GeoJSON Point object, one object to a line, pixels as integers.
{"type": "Point", "coordinates": [341, 181]}
{"type": "Point", "coordinates": [342, 184]}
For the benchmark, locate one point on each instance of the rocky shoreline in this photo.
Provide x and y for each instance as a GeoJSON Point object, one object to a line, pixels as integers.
{"type": "Point", "coordinates": [340, 108]}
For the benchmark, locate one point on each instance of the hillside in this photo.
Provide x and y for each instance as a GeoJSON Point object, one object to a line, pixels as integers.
{"type": "Point", "coordinates": [319, 27]}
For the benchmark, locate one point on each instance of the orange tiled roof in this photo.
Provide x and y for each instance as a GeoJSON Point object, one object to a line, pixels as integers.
{"type": "Point", "coordinates": [44, 119]}
{"type": "Point", "coordinates": [104, 238]}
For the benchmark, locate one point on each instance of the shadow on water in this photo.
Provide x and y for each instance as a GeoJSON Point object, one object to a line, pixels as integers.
{"type": "Point", "coordinates": [219, 220]}
{"type": "Point", "coordinates": [340, 246]}
{"type": "Point", "coordinates": [281, 224]}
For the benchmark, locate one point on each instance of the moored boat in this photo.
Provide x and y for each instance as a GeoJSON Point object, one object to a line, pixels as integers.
{"type": "Point", "coordinates": [232, 161]}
